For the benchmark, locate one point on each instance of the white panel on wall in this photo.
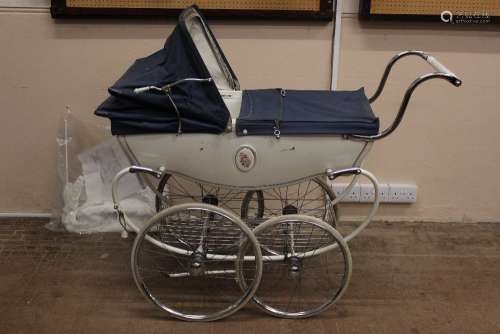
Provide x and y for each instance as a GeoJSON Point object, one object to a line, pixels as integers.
{"type": "Point", "coordinates": [25, 3]}
{"type": "Point", "coordinates": [350, 6]}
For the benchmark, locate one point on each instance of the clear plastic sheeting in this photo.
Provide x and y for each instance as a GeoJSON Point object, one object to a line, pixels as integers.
{"type": "Point", "coordinates": [86, 175]}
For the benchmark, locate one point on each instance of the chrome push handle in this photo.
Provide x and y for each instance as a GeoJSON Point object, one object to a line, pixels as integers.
{"type": "Point", "coordinates": [441, 72]}
{"type": "Point", "coordinates": [440, 68]}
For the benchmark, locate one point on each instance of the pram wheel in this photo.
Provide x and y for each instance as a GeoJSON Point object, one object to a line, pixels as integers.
{"type": "Point", "coordinates": [188, 258]}
{"type": "Point", "coordinates": [252, 206]}
{"type": "Point", "coordinates": [312, 197]}
{"type": "Point", "coordinates": [307, 266]}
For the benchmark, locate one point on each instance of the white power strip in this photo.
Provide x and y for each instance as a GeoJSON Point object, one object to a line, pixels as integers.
{"type": "Point", "coordinates": [388, 192]}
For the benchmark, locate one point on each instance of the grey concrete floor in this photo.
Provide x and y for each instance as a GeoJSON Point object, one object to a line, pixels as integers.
{"type": "Point", "coordinates": [407, 278]}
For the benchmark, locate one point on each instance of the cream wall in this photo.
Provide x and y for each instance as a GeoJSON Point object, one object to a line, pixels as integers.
{"type": "Point", "coordinates": [447, 144]}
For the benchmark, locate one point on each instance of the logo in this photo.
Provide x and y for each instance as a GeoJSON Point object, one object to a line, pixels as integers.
{"type": "Point", "coordinates": [465, 17]}
{"type": "Point", "coordinates": [446, 16]}
{"type": "Point", "coordinates": [245, 158]}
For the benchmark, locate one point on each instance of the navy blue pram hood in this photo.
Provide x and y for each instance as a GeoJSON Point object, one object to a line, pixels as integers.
{"type": "Point", "coordinates": [200, 105]}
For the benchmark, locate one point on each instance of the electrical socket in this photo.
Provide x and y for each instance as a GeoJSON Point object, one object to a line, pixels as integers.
{"type": "Point", "coordinates": [395, 193]}
{"type": "Point", "coordinates": [367, 193]}
{"type": "Point", "coordinates": [352, 196]}
{"type": "Point", "coordinates": [411, 194]}
{"type": "Point", "coordinates": [383, 191]}
{"type": "Point", "coordinates": [403, 193]}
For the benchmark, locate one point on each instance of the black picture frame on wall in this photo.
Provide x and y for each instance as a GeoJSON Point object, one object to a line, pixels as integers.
{"type": "Point", "coordinates": [59, 9]}
{"type": "Point", "coordinates": [462, 17]}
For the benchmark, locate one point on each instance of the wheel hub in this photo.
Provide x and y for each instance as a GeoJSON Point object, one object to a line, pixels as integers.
{"type": "Point", "coordinates": [197, 265]}
{"type": "Point", "coordinates": [295, 266]}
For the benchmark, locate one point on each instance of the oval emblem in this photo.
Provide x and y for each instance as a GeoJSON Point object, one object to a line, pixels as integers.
{"type": "Point", "coordinates": [245, 158]}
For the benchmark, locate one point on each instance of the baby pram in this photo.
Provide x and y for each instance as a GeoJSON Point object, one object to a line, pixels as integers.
{"type": "Point", "coordinates": [245, 210]}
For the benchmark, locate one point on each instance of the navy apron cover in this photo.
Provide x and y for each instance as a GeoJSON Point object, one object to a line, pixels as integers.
{"type": "Point", "coordinates": [200, 105]}
{"type": "Point", "coordinates": [302, 112]}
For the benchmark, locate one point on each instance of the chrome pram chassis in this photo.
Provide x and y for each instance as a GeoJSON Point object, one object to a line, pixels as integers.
{"type": "Point", "coordinates": [278, 233]}
{"type": "Point", "coordinates": [243, 218]}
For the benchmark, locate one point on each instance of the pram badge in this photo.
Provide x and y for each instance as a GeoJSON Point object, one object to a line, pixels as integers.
{"type": "Point", "coordinates": [245, 158]}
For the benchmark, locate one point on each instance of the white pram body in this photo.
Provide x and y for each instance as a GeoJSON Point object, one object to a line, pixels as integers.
{"type": "Point", "coordinates": [213, 158]}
